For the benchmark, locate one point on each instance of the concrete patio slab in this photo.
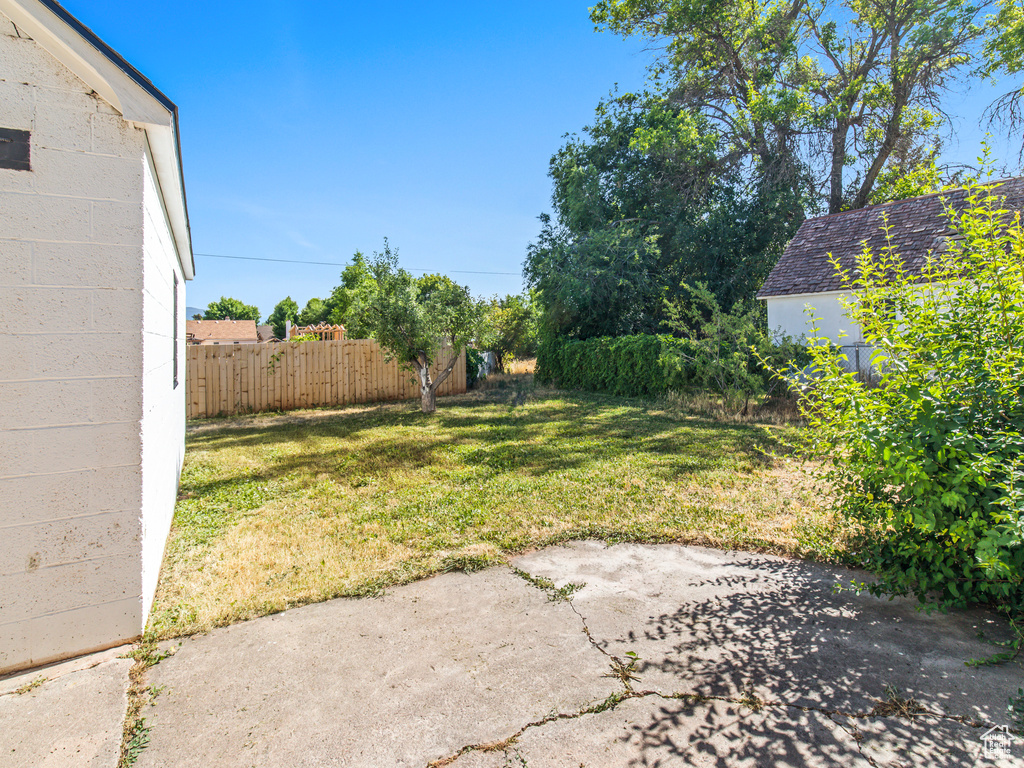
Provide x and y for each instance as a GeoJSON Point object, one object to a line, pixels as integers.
{"type": "Point", "coordinates": [743, 660]}
{"type": "Point", "coordinates": [723, 623]}
{"type": "Point", "coordinates": [68, 715]}
{"type": "Point", "coordinates": [394, 681]}
{"type": "Point", "coordinates": [652, 731]}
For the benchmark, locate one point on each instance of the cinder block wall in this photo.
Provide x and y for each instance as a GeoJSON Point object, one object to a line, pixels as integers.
{"type": "Point", "coordinates": [71, 366]}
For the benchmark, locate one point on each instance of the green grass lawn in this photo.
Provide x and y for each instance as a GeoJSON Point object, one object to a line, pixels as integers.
{"type": "Point", "coordinates": [280, 510]}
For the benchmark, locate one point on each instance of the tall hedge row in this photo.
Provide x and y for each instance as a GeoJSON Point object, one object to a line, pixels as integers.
{"type": "Point", "coordinates": [621, 365]}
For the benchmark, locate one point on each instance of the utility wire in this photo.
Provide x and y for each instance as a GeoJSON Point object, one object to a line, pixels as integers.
{"type": "Point", "coordinates": [340, 264]}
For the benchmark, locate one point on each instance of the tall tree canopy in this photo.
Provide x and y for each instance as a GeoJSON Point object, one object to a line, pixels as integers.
{"type": "Point", "coordinates": [648, 200]}
{"type": "Point", "coordinates": [1004, 54]}
{"type": "Point", "coordinates": [231, 308]}
{"type": "Point", "coordinates": [837, 89]}
{"type": "Point", "coordinates": [759, 112]}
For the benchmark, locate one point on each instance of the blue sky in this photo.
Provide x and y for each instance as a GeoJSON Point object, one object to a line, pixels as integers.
{"type": "Point", "coordinates": [313, 129]}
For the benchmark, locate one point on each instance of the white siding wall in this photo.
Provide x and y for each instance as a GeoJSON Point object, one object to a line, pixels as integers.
{"type": "Point", "coordinates": [788, 314]}
{"type": "Point", "coordinates": [71, 365]}
{"type": "Point", "coordinates": [163, 403]}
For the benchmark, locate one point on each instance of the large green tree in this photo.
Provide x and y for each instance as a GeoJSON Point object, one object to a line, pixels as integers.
{"type": "Point", "coordinates": [795, 85]}
{"type": "Point", "coordinates": [285, 310]}
{"type": "Point", "coordinates": [342, 305]}
{"type": "Point", "coordinates": [231, 308]}
{"type": "Point", "coordinates": [1004, 55]}
{"type": "Point", "coordinates": [648, 199]}
{"type": "Point", "coordinates": [315, 312]}
{"type": "Point", "coordinates": [417, 324]}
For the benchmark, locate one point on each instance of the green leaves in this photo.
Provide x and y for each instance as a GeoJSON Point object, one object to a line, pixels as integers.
{"type": "Point", "coordinates": [509, 328]}
{"type": "Point", "coordinates": [928, 463]}
{"type": "Point", "coordinates": [837, 91]}
{"type": "Point", "coordinates": [231, 308]}
{"type": "Point", "coordinates": [419, 322]}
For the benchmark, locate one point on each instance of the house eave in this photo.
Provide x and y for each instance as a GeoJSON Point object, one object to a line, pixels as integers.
{"type": "Point", "coordinates": [126, 89]}
{"type": "Point", "coordinates": [766, 297]}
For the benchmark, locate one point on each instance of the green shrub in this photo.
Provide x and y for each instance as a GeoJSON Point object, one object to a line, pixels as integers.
{"type": "Point", "coordinates": [730, 353]}
{"type": "Point", "coordinates": [929, 462]}
{"type": "Point", "coordinates": [623, 365]}
{"type": "Point", "coordinates": [646, 365]}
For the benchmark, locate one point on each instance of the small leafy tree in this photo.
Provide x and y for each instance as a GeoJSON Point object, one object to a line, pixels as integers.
{"type": "Point", "coordinates": [929, 463]}
{"type": "Point", "coordinates": [231, 308]}
{"type": "Point", "coordinates": [509, 329]}
{"type": "Point", "coordinates": [418, 326]}
{"type": "Point", "coordinates": [285, 310]}
{"type": "Point", "coordinates": [730, 353]}
{"type": "Point", "coordinates": [313, 313]}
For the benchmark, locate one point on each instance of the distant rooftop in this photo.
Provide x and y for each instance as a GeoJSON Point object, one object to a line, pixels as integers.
{"type": "Point", "coordinates": [228, 330]}
{"type": "Point", "coordinates": [917, 226]}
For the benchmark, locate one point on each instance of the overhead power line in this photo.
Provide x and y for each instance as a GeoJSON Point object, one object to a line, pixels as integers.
{"type": "Point", "coordinates": [343, 264]}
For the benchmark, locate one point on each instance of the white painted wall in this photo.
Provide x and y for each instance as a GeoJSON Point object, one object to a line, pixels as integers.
{"type": "Point", "coordinates": [81, 510]}
{"type": "Point", "coordinates": [789, 315]}
{"type": "Point", "coordinates": [163, 397]}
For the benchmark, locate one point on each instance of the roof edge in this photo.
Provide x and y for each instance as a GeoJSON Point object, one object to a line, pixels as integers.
{"type": "Point", "coordinates": [103, 69]}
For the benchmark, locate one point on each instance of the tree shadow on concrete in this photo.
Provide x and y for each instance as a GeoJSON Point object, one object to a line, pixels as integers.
{"type": "Point", "coordinates": [777, 632]}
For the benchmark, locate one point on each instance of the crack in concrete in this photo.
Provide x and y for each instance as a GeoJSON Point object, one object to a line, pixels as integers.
{"type": "Point", "coordinates": [857, 737]}
{"type": "Point", "coordinates": [624, 672]}
{"type": "Point", "coordinates": [615, 699]}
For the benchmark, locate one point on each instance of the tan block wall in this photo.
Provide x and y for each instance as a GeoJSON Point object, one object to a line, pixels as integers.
{"type": "Point", "coordinates": [71, 313]}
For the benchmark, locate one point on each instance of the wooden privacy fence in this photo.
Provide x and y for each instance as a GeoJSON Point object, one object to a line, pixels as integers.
{"type": "Point", "coordinates": [282, 376]}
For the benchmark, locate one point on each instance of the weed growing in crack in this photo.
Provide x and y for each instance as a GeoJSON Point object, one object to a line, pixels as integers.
{"type": "Point", "coordinates": [134, 741]}
{"type": "Point", "coordinates": [29, 686]}
{"type": "Point", "coordinates": [625, 672]}
{"type": "Point", "coordinates": [751, 700]}
{"type": "Point", "coordinates": [135, 736]}
{"type": "Point", "coordinates": [610, 703]}
{"type": "Point", "coordinates": [894, 705]}
{"type": "Point", "coordinates": [148, 653]}
{"type": "Point", "coordinates": [555, 594]}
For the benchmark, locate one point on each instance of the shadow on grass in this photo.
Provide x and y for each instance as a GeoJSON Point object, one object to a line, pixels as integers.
{"type": "Point", "coordinates": [571, 433]}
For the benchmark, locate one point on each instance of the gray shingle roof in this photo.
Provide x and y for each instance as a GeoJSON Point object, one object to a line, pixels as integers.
{"type": "Point", "coordinates": [917, 226]}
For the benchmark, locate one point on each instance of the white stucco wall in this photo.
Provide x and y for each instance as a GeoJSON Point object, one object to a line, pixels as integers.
{"type": "Point", "coordinates": [76, 274]}
{"type": "Point", "coordinates": [163, 401]}
{"type": "Point", "coordinates": [789, 315]}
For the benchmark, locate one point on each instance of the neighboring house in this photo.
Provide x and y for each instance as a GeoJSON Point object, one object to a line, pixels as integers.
{"type": "Point", "coordinates": [265, 333]}
{"type": "Point", "coordinates": [805, 276]}
{"type": "Point", "coordinates": [94, 254]}
{"type": "Point", "coordinates": [221, 332]}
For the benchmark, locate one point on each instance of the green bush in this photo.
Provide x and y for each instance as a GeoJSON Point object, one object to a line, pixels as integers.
{"type": "Point", "coordinates": [641, 365]}
{"type": "Point", "coordinates": [730, 353]}
{"type": "Point", "coordinates": [623, 365]}
{"type": "Point", "coordinates": [929, 463]}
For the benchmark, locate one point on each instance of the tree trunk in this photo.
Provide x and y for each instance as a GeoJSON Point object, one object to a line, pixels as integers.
{"type": "Point", "coordinates": [428, 399]}
{"type": "Point", "coordinates": [838, 162]}
{"type": "Point", "coordinates": [428, 388]}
